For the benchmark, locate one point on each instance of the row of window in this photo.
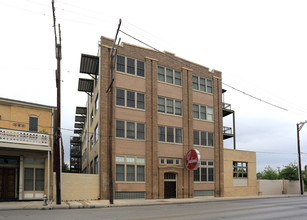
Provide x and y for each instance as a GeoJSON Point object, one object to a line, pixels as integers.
{"type": "Point", "coordinates": [169, 106]}
{"type": "Point", "coordinates": [205, 172]}
{"type": "Point", "coordinates": [130, 66]}
{"type": "Point", "coordinates": [130, 99]}
{"type": "Point", "coordinates": [170, 161]}
{"type": "Point", "coordinates": [203, 138]}
{"type": "Point", "coordinates": [169, 134]}
{"type": "Point", "coordinates": [130, 169]}
{"type": "Point", "coordinates": [131, 130]}
{"type": "Point", "coordinates": [202, 112]}
{"type": "Point", "coordinates": [202, 84]}
{"type": "Point", "coordinates": [169, 75]}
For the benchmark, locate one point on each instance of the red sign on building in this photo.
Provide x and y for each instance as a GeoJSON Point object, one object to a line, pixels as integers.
{"type": "Point", "coordinates": [192, 159]}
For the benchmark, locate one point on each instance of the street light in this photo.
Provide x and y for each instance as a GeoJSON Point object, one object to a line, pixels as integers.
{"type": "Point", "coordinates": [299, 127]}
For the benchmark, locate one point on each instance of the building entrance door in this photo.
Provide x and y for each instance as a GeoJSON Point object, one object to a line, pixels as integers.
{"type": "Point", "coordinates": [170, 185]}
{"type": "Point", "coordinates": [7, 183]}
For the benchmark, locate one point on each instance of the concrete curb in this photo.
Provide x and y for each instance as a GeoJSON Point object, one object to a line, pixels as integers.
{"type": "Point", "coordinates": [88, 205]}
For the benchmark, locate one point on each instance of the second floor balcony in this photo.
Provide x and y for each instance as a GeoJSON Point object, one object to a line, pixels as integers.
{"type": "Point", "coordinates": [24, 139]}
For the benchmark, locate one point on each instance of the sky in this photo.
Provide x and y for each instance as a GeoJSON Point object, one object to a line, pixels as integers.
{"type": "Point", "coordinates": [260, 47]}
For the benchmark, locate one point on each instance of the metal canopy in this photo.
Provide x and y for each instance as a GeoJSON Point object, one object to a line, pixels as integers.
{"type": "Point", "coordinates": [80, 119]}
{"type": "Point", "coordinates": [89, 64]}
{"type": "Point", "coordinates": [86, 85]}
{"type": "Point", "coordinates": [79, 125]}
{"type": "Point", "coordinates": [81, 110]}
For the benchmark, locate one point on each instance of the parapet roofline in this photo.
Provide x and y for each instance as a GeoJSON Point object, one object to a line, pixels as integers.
{"type": "Point", "coordinates": [167, 53]}
{"type": "Point", "coordinates": [30, 104]}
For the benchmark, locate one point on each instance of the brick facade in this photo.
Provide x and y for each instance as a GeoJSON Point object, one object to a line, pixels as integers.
{"type": "Point", "coordinates": [151, 149]}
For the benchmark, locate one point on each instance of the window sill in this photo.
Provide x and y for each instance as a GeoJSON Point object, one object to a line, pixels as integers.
{"type": "Point", "coordinates": [170, 84]}
{"type": "Point", "coordinates": [131, 108]}
{"type": "Point", "coordinates": [202, 92]}
{"type": "Point", "coordinates": [132, 75]}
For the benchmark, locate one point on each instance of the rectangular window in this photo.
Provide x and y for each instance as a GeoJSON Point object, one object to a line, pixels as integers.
{"type": "Point", "coordinates": [140, 173]}
{"type": "Point", "coordinates": [240, 169]}
{"type": "Point", "coordinates": [140, 131]}
{"type": "Point", "coordinates": [161, 104]}
{"type": "Point", "coordinates": [210, 139]}
{"type": "Point", "coordinates": [195, 111]}
{"type": "Point", "coordinates": [196, 137]}
{"type": "Point", "coordinates": [130, 99]}
{"type": "Point", "coordinates": [120, 65]}
{"type": "Point", "coordinates": [140, 68]}
{"type": "Point", "coordinates": [39, 179]}
{"type": "Point", "coordinates": [178, 110]}
{"type": "Point", "coordinates": [120, 128]}
{"type": "Point", "coordinates": [169, 76]}
{"type": "Point", "coordinates": [96, 133]}
{"type": "Point", "coordinates": [178, 133]}
{"type": "Point", "coordinates": [96, 165]}
{"type": "Point", "coordinates": [140, 101]}
{"type": "Point", "coordinates": [120, 97]}
{"type": "Point", "coordinates": [205, 173]}
{"type": "Point", "coordinates": [33, 124]}
{"type": "Point", "coordinates": [130, 130]}
{"type": "Point", "coordinates": [161, 133]}
{"type": "Point", "coordinates": [209, 86]}
{"type": "Point", "coordinates": [92, 117]}
{"type": "Point", "coordinates": [203, 112]}
{"type": "Point", "coordinates": [161, 74]}
{"type": "Point", "coordinates": [29, 179]}
{"type": "Point", "coordinates": [130, 172]}
{"type": "Point", "coordinates": [130, 66]}
{"type": "Point", "coordinates": [210, 113]}
{"type": "Point", "coordinates": [120, 172]}
{"type": "Point", "coordinates": [170, 134]}
{"type": "Point", "coordinates": [203, 138]}
{"type": "Point", "coordinates": [170, 106]}
{"type": "Point", "coordinates": [96, 103]}
{"type": "Point", "coordinates": [177, 78]}
{"type": "Point", "coordinates": [202, 84]}
{"type": "Point", "coordinates": [195, 82]}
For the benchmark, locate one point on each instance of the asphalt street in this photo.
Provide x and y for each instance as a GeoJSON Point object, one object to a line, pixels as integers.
{"type": "Point", "coordinates": [260, 208]}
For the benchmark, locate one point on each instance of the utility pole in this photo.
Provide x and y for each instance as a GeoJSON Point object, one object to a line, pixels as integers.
{"type": "Point", "coordinates": [110, 90]}
{"type": "Point", "coordinates": [58, 54]}
{"type": "Point", "coordinates": [299, 126]}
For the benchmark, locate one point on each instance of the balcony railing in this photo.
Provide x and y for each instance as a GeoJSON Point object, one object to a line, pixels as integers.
{"type": "Point", "coordinates": [227, 130]}
{"type": "Point", "coordinates": [226, 106]}
{"type": "Point", "coordinates": [23, 137]}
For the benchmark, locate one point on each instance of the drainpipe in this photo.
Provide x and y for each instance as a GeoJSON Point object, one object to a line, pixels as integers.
{"type": "Point", "coordinates": [52, 142]}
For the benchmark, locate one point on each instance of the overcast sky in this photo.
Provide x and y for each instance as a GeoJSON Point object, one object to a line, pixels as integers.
{"type": "Point", "coordinates": [260, 47]}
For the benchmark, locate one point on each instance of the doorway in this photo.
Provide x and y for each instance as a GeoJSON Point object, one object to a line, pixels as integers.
{"type": "Point", "coordinates": [170, 185]}
{"type": "Point", "coordinates": [8, 178]}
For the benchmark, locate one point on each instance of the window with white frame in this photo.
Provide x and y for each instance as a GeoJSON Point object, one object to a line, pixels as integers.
{"type": "Point", "coordinates": [169, 161]}
{"type": "Point", "coordinates": [240, 169]}
{"type": "Point", "coordinates": [34, 174]}
{"type": "Point", "coordinates": [202, 84]}
{"type": "Point", "coordinates": [131, 130]}
{"type": "Point", "coordinates": [203, 112]}
{"type": "Point", "coordinates": [130, 66]}
{"type": "Point", "coordinates": [33, 123]}
{"type": "Point", "coordinates": [169, 106]}
{"type": "Point", "coordinates": [169, 76]}
{"type": "Point", "coordinates": [96, 103]}
{"type": "Point", "coordinates": [130, 169]}
{"type": "Point", "coordinates": [205, 172]}
{"type": "Point", "coordinates": [169, 134]}
{"type": "Point", "coordinates": [130, 99]}
{"type": "Point", "coordinates": [203, 138]}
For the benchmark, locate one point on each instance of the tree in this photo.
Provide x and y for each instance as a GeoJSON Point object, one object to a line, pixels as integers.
{"type": "Point", "coordinates": [290, 172]}
{"type": "Point", "coordinates": [66, 168]}
{"type": "Point", "coordinates": [268, 174]}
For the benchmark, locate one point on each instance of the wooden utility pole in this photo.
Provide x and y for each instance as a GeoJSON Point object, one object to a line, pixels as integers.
{"type": "Point", "coordinates": [110, 90]}
{"type": "Point", "coordinates": [299, 126]}
{"type": "Point", "coordinates": [58, 54]}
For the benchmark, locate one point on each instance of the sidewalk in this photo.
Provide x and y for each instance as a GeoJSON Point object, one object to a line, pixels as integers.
{"type": "Point", "coordinates": [38, 205]}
